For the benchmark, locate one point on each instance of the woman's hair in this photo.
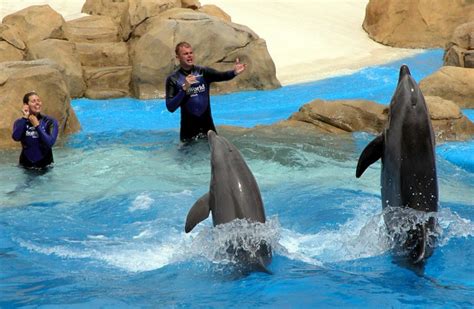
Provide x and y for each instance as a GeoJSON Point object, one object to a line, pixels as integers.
{"type": "Point", "coordinates": [27, 96]}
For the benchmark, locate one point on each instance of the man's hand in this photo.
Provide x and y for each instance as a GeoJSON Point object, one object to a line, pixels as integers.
{"type": "Point", "coordinates": [188, 81]}
{"type": "Point", "coordinates": [34, 121]}
{"type": "Point", "coordinates": [239, 67]}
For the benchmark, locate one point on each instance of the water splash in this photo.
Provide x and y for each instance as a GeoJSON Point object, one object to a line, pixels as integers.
{"type": "Point", "coordinates": [360, 237]}
{"type": "Point", "coordinates": [223, 243]}
{"type": "Point", "coordinates": [453, 226]}
{"type": "Point", "coordinates": [141, 202]}
{"type": "Point", "coordinates": [365, 235]}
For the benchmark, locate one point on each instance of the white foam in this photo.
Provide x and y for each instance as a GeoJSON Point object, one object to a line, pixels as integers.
{"type": "Point", "coordinates": [362, 236]}
{"type": "Point", "coordinates": [141, 202]}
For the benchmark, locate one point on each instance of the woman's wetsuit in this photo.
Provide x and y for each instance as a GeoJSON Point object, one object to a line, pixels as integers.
{"type": "Point", "coordinates": [36, 142]}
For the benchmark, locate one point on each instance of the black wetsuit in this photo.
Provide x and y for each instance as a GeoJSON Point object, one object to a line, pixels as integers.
{"type": "Point", "coordinates": [196, 117]}
{"type": "Point", "coordinates": [36, 142]}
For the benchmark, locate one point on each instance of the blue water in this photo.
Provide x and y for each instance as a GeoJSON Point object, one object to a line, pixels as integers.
{"type": "Point", "coordinates": [104, 228]}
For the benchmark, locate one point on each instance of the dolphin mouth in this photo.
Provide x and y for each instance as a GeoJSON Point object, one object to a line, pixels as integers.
{"type": "Point", "coordinates": [404, 71]}
{"type": "Point", "coordinates": [211, 133]}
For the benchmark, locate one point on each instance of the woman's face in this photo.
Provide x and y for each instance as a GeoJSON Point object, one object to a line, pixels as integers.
{"type": "Point", "coordinates": [34, 103]}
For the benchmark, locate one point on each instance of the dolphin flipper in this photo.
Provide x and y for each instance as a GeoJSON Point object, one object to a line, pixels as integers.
{"type": "Point", "coordinates": [372, 152]}
{"type": "Point", "coordinates": [199, 212]}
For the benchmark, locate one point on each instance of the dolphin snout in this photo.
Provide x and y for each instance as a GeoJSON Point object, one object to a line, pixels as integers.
{"type": "Point", "coordinates": [211, 133]}
{"type": "Point", "coordinates": [404, 71]}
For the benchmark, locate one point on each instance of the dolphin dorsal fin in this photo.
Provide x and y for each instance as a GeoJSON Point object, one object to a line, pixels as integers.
{"type": "Point", "coordinates": [197, 213]}
{"type": "Point", "coordinates": [372, 152]}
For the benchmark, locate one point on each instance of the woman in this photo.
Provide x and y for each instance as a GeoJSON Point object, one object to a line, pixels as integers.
{"type": "Point", "coordinates": [36, 132]}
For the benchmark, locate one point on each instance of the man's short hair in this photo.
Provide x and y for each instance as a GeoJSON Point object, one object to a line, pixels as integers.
{"type": "Point", "coordinates": [181, 44]}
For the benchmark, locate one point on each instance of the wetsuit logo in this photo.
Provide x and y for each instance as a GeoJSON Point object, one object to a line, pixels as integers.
{"type": "Point", "coordinates": [31, 132]}
{"type": "Point", "coordinates": [194, 91]}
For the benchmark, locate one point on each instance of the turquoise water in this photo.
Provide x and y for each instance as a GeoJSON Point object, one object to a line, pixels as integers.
{"type": "Point", "coordinates": [104, 228]}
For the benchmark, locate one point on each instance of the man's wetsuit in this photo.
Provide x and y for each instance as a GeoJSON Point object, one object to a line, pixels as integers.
{"type": "Point", "coordinates": [196, 117]}
{"type": "Point", "coordinates": [36, 142]}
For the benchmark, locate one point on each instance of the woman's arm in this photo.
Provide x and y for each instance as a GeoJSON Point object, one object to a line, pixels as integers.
{"type": "Point", "coordinates": [19, 128]}
{"type": "Point", "coordinates": [48, 132]}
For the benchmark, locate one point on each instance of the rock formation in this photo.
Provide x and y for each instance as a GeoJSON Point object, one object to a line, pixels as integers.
{"type": "Point", "coordinates": [347, 116]}
{"type": "Point", "coordinates": [451, 83]}
{"type": "Point", "coordinates": [122, 51]}
{"type": "Point", "coordinates": [65, 54]}
{"type": "Point", "coordinates": [460, 49]}
{"type": "Point", "coordinates": [217, 44]}
{"type": "Point", "coordinates": [415, 23]}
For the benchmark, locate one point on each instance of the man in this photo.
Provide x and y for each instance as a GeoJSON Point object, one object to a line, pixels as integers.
{"type": "Point", "coordinates": [188, 88]}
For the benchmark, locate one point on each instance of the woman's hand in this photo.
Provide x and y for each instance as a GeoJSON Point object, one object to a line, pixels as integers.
{"type": "Point", "coordinates": [34, 120]}
{"type": "Point", "coordinates": [26, 111]}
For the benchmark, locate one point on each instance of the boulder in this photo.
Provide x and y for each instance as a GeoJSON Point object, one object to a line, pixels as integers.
{"type": "Point", "coordinates": [92, 29]}
{"type": "Point", "coordinates": [448, 121]}
{"type": "Point", "coordinates": [345, 116]}
{"type": "Point", "coordinates": [12, 36]}
{"type": "Point", "coordinates": [107, 82]}
{"type": "Point", "coordinates": [10, 53]}
{"type": "Point", "coordinates": [215, 11]}
{"type": "Point", "coordinates": [30, 24]}
{"type": "Point", "coordinates": [190, 4]}
{"type": "Point", "coordinates": [441, 109]}
{"type": "Point", "coordinates": [42, 76]}
{"type": "Point", "coordinates": [454, 56]}
{"type": "Point", "coordinates": [103, 54]}
{"type": "Point", "coordinates": [451, 83]}
{"type": "Point", "coordinates": [415, 23]}
{"type": "Point", "coordinates": [460, 50]}
{"type": "Point", "coordinates": [463, 36]}
{"type": "Point", "coordinates": [65, 54]}
{"type": "Point", "coordinates": [217, 44]}
{"type": "Point", "coordinates": [128, 13]}
{"type": "Point", "coordinates": [469, 59]}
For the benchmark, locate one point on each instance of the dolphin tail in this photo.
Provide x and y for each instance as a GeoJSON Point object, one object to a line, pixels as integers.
{"type": "Point", "coordinates": [419, 252]}
{"type": "Point", "coordinates": [199, 212]}
{"type": "Point", "coordinates": [371, 153]}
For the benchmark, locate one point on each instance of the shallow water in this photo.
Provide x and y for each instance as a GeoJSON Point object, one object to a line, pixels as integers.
{"type": "Point", "coordinates": [105, 227]}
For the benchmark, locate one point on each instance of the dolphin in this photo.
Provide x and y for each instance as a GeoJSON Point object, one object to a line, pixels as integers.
{"type": "Point", "coordinates": [408, 177]}
{"type": "Point", "coordinates": [233, 194]}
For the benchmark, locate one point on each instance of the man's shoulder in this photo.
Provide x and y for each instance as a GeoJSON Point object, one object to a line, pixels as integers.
{"type": "Point", "coordinates": [175, 72]}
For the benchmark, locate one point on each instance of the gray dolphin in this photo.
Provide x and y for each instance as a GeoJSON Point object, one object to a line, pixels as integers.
{"type": "Point", "coordinates": [408, 178]}
{"type": "Point", "coordinates": [233, 194]}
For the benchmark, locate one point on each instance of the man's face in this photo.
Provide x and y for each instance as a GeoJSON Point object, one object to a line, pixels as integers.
{"type": "Point", "coordinates": [185, 57]}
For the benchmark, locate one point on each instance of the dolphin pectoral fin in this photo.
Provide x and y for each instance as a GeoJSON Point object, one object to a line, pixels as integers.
{"type": "Point", "coordinates": [199, 212]}
{"type": "Point", "coordinates": [372, 152]}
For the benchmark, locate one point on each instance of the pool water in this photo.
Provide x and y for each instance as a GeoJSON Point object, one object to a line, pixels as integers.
{"type": "Point", "coordinates": [105, 227]}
